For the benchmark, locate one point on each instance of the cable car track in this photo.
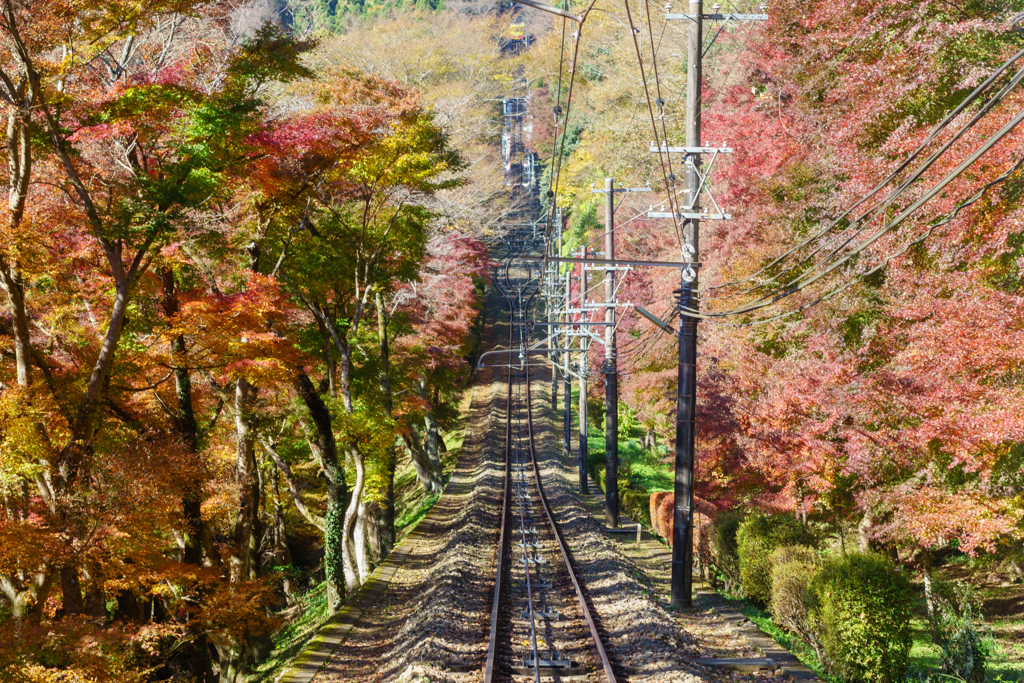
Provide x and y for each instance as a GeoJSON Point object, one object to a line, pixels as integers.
{"type": "Point", "coordinates": [541, 624]}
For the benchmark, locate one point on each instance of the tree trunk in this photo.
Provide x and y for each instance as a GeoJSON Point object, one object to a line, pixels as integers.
{"type": "Point", "coordinates": [11, 283]}
{"type": "Point", "coordinates": [337, 492]}
{"type": "Point", "coordinates": [71, 591]}
{"type": "Point", "coordinates": [867, 523]}
{"type": "Point", "coordinates": [245, 474]}
{"type": "Point", "coordinates": [360, 542]}
{"type": "Point", "coordinates": [282, 556]}
{"type": "Point", "coordinates": [19, 172]}
{"type": "Point", "coordinates": [258, 523]}
{"type": "Point", "coordinates": [382, 513]}
{"type": "Point", "coordinates": [1018, 569]}
{"type": "Point", "coordinates": [430, 432]}
{"type": "Point", "coordinates": [347, 561]}
{"type": "Point", "coordinates": [929, 597]}
{"type": "Point", "coordinates": [424, 471]}
{"type": "Point", "coordinates": [188, 431]}
{"type": "Point", "coordinates": [37, 589]}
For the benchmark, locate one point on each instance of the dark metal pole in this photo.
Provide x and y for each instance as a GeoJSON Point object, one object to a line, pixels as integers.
{"type": "Point", "coordinates": [567, 387]}
{"type": "Point", "coordinates": [686, 390]}
{"type": "Point", "coordinates": [686, 394]}
{"type": "Point", "coordinates": [611, 377]}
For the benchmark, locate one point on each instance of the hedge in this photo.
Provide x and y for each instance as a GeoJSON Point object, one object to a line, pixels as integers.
{"type": "Point", "coordinates": [860, 609]}
{"type": "Point", "coordinates": [757, 538]}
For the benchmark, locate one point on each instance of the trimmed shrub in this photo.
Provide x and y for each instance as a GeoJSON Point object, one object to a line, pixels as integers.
{"type": "Point", "coordinates": [793, 568]}
{"type": "Point", "coordinates": [667, 517]}
{"type": "Point", "coordinates": [757, 538]}
{"type": "Point", "coordinates": [727, 557]}
{"type": "Point", "coordinates": [657, 498]}
{"type": "Point", "coordinates": [860, 609]}
{"type": "Point", "coordinates": [635, 504]}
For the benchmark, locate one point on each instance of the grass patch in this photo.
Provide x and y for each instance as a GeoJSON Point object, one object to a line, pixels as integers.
{"type": "Point", "coordinates": [412, 516]}
{"type": "Point", "coordinates": [302, 622]}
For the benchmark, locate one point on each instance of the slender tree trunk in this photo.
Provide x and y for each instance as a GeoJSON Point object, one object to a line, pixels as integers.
{"type": "Point", "coordinates": [929, 597]}
{"type": "Point", "coordinates": [19, 172]}
{"type": "Point", "coordinates": [188, 430]}
{"type": "Point", "coordinates": [360, 542]}
{"type": "Point", "coordinates": [351, 576]}
{"type": "Point", "coordinates": [258, 525]}
{"type": "Point", "coordinates": [382, 513]}
{"type": "Point", "coordinates": [430, 433]}
{"type": "Point", "coordinates": [11, 283]}
{"type": "Point", "coordinates": [337, 491]}
{"type": "Point", "coordinates": [282, 556]}
{"type": "Point", "coordinates": [245, 464]}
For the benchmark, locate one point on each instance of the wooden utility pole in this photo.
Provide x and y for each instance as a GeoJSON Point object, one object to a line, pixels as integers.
{"type": "Point", "coordinates": [686, 390]}
{"type": "Point", "coordinates": [611, 371]}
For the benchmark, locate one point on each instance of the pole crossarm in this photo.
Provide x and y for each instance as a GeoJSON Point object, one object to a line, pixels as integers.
{"type": "Point", "coordinates": [692, 150]}
{"type": "Point", "coordinates": [691, 216]}
{"type": "Point", "coordinates": [718, 17]}
{"type": "Point", "coordinates": [608, 262]}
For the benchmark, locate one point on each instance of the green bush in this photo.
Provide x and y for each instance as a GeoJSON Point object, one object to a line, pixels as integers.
{"type": "Point", "coordinates": [727, 557]}
{"type": "Point", "coordinates": [757, 538]}
{"type": "Point", "coordinates": [635, 504]}
{"type": "Point", "coordinates": [860, 613]}
{"type": "Point", "coordinates": [966, 644]}
{"type": "Point", "coordinates": [793, 568]}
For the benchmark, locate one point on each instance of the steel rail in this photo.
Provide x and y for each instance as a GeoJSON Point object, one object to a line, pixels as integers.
{"type": "Point", "coordinates": [595, 637]}
{"type": "Point", "coordinates": [505, 508]}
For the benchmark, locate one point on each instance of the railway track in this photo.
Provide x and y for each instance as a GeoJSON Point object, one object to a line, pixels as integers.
{"type": "Point", "coordinates": [541, 624]}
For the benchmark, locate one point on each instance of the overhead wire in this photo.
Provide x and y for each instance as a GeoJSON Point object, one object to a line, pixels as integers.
{"type": "Point", "coordinates": [1016, 166]}
{"type": "Point", "coordinates": [665, 165]}
{"type": "Point", "coordinates": [553, 180]}
{"type": "Point", "coordinates": [938, 128]}
{"type": "Point", "coordinates": [888, 227]}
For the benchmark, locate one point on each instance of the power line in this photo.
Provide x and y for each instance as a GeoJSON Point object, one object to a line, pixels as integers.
{"type": "Point", "coordinates": [938, 128]}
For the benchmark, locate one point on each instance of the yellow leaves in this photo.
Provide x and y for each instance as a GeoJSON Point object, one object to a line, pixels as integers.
{"type": "Point", "coordinates": [38, 674]}
{"type": "Point", "coordinates": [30, 425]}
